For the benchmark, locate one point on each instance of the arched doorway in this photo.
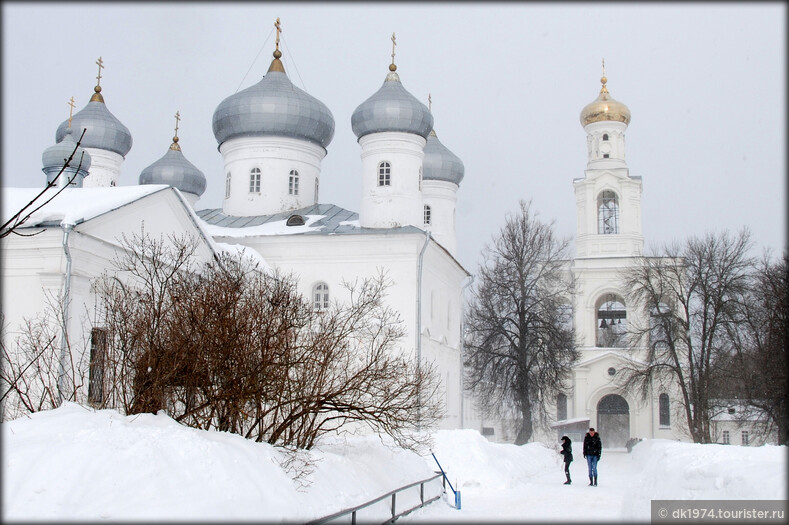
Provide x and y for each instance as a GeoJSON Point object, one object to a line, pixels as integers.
{"type": "Point", "coordinates": [613, 421]}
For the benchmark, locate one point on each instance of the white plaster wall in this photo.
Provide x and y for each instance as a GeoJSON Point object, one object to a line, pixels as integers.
{"type": "Point", "coordinates": [399, 204]}
{"type": "Point", "coordinates": [275, 157]}
{"type": "Point", "coordinates": [441, 196]}
{"type": "Point", "coordinates": [105, 169]}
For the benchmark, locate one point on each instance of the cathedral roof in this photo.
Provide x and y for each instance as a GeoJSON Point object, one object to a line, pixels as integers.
{"type": "Point", "coordinates": [440, 163]}
{"type": "Point", "coordinates": [104, 130]}
{"type": "Point", "coordinates": [392, 108]}
{"type": "Point", "coordinates": [274, 107]}
{"type": "Point", "coordinates": [604, 108]}
{"type": "Point", "coordinates": [174, 170]}
{"type": "Point", "coordinates": [56, 155]}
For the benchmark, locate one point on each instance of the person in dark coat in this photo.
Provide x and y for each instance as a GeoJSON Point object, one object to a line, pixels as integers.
{"type": "Point", "coordinates": [593, 449]}
{"type": "Point", "coordinates": [567, 452]}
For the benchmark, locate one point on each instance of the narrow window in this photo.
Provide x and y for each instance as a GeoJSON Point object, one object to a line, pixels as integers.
{"type": "Point", "coordinates": [320, 295]}
{"type": "Point", "coordinates": [605, 155]}
{"type": "Point", "coordinates": [607, 213]}
{"type": "Point", "coordinates": [725, 437]}
{"type": "Point", "coordinates": [293, 183]}
{"type": "Point", "coordinates": [605, 136]}
{"type": "Point", "coordinates": [384, 174]}
{"type": "Point", "coordinates": [316, 191]}
{"type": "Point", "coordinates": [427, 215]}
{"type": "Point", "coordinates": [561, 407]}
{"type": "Point", "coordinates": [663, 410]}
{"type": "Point", "coordinates": [254, 180]}
{"type": "Point", "coordinates": [611, 322]}
{"type": "Point", "coordinates": [745, 440]}
{"type": "Point", "coordinates": [98, 350]}
{"type": "Point", "coordinates": [227, 186]}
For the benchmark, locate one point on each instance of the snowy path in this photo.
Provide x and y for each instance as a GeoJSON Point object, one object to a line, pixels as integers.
{"type": "Point", "coordinates": [545, 498]}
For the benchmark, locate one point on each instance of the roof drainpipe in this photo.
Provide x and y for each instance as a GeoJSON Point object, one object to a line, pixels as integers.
{"type": "Point", "coordinates": [462, 345]}
{"type": "Point", "coordinates": [419, 322]}
{"type": "Point", "coordinates": [62, 379]}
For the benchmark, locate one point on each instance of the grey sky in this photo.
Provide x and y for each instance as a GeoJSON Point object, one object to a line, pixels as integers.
{"type": "Point", "coordinates": [705, 84]}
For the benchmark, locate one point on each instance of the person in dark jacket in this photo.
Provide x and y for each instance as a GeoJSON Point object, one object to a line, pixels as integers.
{"type": "Point", "coordinates": [593, 449]}
{"type": "Point", "coordinates": [567, 452]}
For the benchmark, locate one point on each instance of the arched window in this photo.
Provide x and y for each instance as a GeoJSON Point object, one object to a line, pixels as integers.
{"type": "Point", "coordinates": [227, 186]}
{"type": "Point", "coordinates": [316, 191]}
{"type": "Point", "coordinates": [293, 183]}
{"type": "Point", "coordinates": [254, 180]}
{"type": "Point", "coordinates": [605, 136]}
{"type": "Point", "coordinates": [561, 407]}
{"type": "Point", "coordinates": [320, 296]}
{"type": "Point", "coordinates": [663, 410]}
{"type": "Point", "coordinates": [611, 320]}
{"type": "Point", "coordinates": [427, 215]}
{"type": "Point", "coordinates": [384, 174]}
{"type": "Point", "coordinates": [607, 213]}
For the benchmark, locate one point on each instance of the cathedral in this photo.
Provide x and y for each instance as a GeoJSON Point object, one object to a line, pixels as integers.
{"type": "Point", "coordinates": [272, 138]}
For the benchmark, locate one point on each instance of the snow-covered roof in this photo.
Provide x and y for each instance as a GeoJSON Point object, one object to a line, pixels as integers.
{"type": "Point", "coordinates": [72, 205]}
{"type": "Point", "coordinates": [319, 219]}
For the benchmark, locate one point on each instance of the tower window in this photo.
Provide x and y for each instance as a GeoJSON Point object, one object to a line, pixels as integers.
{"type": "Point", "coordinates": [605, 136]}
{"type": "Point", "coordinates": [320, 295]}
{"type": "Point", "coordinates": [293, 183]}
{"type": "Point", "coordinates": [663, 410]}
{"type": "Point", "coordinates": [427, 215]}
{"type": "Point", "coordinates": [254, 180]}
{"type": "Point", "coordinates": [227, 186]}
{"type": "Point", "coordinates": [605, 155]}
{"type": "Point", "coordinates": [611, 322]}
{"type": "Point", "coordinates": [607, 213]}
{"type": "Point", "coordinates": [384, 174]}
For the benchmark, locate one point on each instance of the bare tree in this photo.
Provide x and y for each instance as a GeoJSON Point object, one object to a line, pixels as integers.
{"type": "Point", "coordinates": [226, 346]}
{"type": "Point", "coordinates": [521, 343]}
{"type": "Point", "coordinates": [41, 199]}
{"type": "Point", "coordinates": [690, 294]}
{"type": "Point", "coordinates": [756, 373]}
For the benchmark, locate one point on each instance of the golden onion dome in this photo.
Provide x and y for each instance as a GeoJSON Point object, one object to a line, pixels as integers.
{"type": "Point", "coordinates": [604, 108]}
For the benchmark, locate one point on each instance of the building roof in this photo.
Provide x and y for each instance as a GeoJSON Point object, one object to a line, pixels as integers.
{"type": "Point", "coordinates": [318, 219]}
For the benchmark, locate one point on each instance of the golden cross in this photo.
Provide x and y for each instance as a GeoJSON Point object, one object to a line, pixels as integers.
{"type": "Point", "coordinates": [604, 67]}
{"type": "Point", "coordinates": [279, 30]}
{"type": "Point", "coordinates": [177, 119]}
{"type": "Point", "coordinates": [393, 47]}
{"type": "Point", "coordinates": [71, 110]}
{"type": "Point", "coordinates": [101, 66]}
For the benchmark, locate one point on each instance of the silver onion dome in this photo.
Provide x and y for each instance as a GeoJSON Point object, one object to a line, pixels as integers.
{"type": "Point", "coordinates": [391, 108]}
{"type": "Point", "coordinates": [56, 155]}
{"type": "Point", "coordinates": [274, 106]}
{"type": "Point", "coordinates": [174, 170]}
{"type": "Point", "coordinates": [440, 163]}
{"type": "Point", "coordinates": [104, 131]}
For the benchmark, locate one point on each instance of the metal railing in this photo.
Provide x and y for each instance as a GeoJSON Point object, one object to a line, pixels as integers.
{"type": "Point", "coordinates": [393, 495]}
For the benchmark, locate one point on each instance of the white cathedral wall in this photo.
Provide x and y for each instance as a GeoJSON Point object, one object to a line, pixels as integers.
{"type": "Point", "coordinates": [400, 203]}
{"type": "Point", "coordinates": [275, 157]}
{"type": "Point", "coordinates": [441, 196]}
{"type": "Point", "coordinates": [105, 168]}
{"type": "Point", "coordinates": [336, 258]}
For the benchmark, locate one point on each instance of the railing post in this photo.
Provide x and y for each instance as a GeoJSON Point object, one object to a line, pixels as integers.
{"type": "Point", "coordinates": [422, 493]}
{"type": "Point", "coordinates": [394, 498]}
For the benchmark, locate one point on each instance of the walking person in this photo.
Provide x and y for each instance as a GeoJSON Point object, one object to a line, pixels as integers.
{"type": "Point", "coordinates": [593, 449]}
{"type": "Point", "coordinates": [567, 452]}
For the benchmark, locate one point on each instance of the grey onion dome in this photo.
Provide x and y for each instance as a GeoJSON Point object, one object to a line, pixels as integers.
{"type": "Point", "coordinates": [56, 155]}
{"type": "Point", "coordinates": [274, 106]}
{"type": "Point", "coordinates": [104, 131]}
{"type": "Point", "coordinates": [174, 170]}
{"type": "Point", "coordinates": [440, 163]}
{"type": "Point", "coordinates": [391, 108]}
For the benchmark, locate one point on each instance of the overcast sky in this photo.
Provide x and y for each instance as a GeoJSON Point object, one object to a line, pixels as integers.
{"type": "Point", "coordinates": [705, 84]}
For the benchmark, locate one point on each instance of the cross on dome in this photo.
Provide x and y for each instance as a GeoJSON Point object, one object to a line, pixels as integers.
{"type": "Point", "coordinates": [392, 66]}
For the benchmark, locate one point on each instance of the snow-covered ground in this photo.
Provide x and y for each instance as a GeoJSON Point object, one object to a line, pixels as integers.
{"type": "Point", "coordinates": [83, 465]}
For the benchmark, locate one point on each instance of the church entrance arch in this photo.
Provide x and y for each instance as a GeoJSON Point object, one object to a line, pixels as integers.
{"type": "Point", "coordinates": [613, 421]}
